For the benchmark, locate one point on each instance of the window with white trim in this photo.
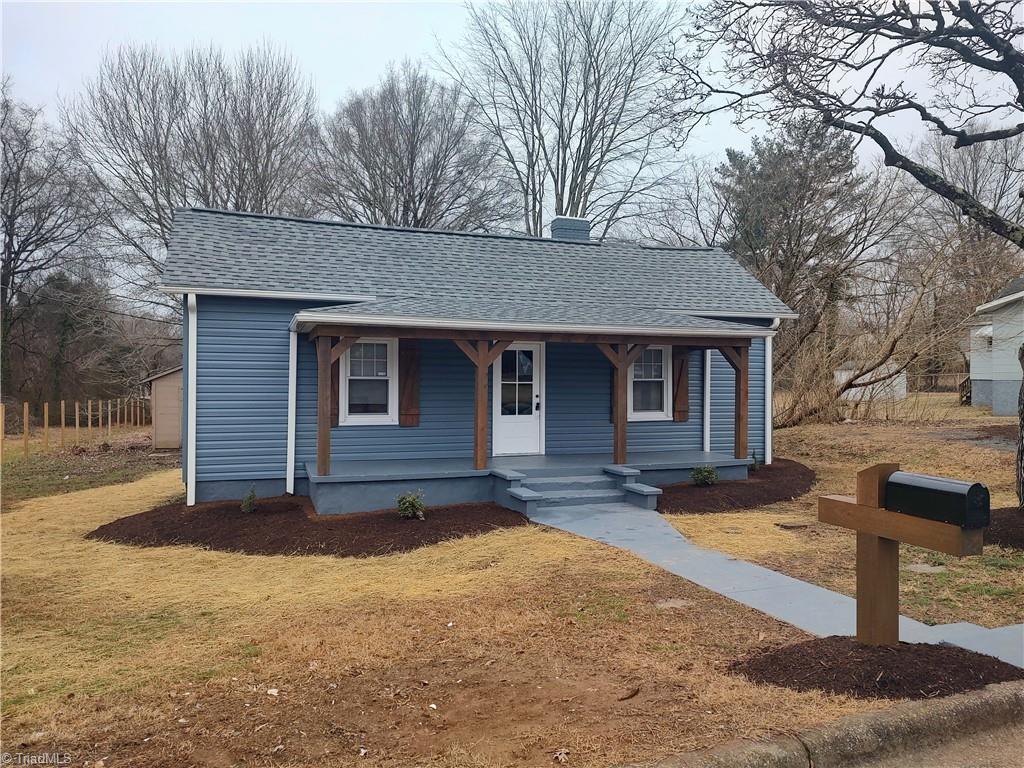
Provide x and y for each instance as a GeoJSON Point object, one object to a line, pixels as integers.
{"type": "Point", "coordinates": [369, 383]}
{"type": "Point", "coordinates": [650, 386]}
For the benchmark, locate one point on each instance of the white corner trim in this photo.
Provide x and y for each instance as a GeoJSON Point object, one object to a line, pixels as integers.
{"type": "Point", "coordinates": [193, 357]}
{"type": "Point", "coordinates": [999, 302]}
{"type": "Point", "coordinates": [707, 401]}
{"type": "Point", "coordinates": [768, 400]}
{"type": "Point", "coordinates": [289, 477]}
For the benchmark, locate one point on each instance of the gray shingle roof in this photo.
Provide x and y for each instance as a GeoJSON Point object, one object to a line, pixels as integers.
{"type": "Point", "coordinates": [217, 250]}
{"type": "Point", "coordinates": [491, 312]}
{"type": "Point", "coordinates": [1014, 286]}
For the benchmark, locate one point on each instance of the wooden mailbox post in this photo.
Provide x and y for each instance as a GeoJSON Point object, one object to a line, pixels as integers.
{"type": "Point", "coordinates": [923, 511]}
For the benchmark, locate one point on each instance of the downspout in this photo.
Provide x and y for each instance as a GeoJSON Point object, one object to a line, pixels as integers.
{"type": "Point", "coordinates": [289, 480]}
{"type": "Point", "coordinates": [768, 393]}
{"type": "Point", "coordinates": [193, 347]}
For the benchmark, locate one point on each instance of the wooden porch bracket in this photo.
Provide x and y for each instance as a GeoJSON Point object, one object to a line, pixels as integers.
{"type": "Point", "coordinates": [680, 383]}
{"type": "Point", "coordinates": [739, 359]}
{"type": "Point", "coordinates": [482, 353]}
{"type": "Point", "coordinates": [622, 357]}
{"type": "Point", "coordinates": [343, 346]}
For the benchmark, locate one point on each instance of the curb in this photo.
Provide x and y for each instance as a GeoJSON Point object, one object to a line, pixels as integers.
{"type": "Point", "coordinates": [903, 728]}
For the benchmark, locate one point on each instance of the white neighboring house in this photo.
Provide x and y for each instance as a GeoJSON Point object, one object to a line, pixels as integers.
{"type": "Point", "coordinates": [997, 332]}
{"type": "Point", "coordinates": [890, 390]}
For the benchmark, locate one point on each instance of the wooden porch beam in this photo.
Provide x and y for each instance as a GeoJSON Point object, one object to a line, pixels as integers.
{"type": "Point", "coordinates": [702, 342]}
{"type": "Point", "coordinates": [323, 405]}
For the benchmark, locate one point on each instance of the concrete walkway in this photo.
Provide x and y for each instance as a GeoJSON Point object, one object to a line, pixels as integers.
{"type": "Point", "coordinates": [812, 608]}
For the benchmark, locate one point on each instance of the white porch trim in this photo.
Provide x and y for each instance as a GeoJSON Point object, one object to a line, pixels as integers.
{"type": "Point", "coordinates": [707, 401]}
{"type": "Point", "coordinates": [193, 350]}
{"type": "Point", "coordinates": [289, 478]}
{"type": "Point", "coordinates": [768, 404]}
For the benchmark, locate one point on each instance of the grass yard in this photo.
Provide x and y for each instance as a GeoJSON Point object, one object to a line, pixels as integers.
{"type": "Point", "coordinates": [931, 435]}
{"type": "Point", "coordinates": [97, 461]}
{"type": "Point", "coordinates": [498, 650]}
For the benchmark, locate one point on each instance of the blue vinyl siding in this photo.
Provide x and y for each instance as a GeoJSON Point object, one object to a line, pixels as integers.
{"type": "Point", "coordinates": [446, 413]}
{"type": "Point", "coordinates": [723, 388]}
{"type": "Point", "coordinates": [578, 419]}
{"type": "Point", "coordinates": [242, 398]}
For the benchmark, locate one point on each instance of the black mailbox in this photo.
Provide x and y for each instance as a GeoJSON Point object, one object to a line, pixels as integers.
{"type": "Point", "coordinates": [938, 498]}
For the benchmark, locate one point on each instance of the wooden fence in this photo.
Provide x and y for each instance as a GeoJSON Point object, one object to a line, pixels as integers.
{"type": "Point", "coordinates": [75, 422]}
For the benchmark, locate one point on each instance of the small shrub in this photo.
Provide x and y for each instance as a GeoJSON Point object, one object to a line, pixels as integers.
{"type": "Point", "coordinates": [249, 502]}
{"type": "Point", "coordinates": [411, 506]}
{"type": "Point", "coordinates": [705, 475]}
{"type": "Point", "coordinates": [756, 462]}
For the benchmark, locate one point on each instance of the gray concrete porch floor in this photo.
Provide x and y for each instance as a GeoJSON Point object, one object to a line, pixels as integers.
{"type": "Point", "coordinates": [415, 469]}
{"type": "Point", "coordinates": [813, 609]}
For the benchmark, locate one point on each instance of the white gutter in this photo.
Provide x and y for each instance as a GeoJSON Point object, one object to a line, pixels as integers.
{"type": "Point", "coordinates": [707, 401]}
{"type": "Point", "coordinates": [289, 478]}
{"type": "Point", "coordinates": [317, 318]}
{"type": "Point", "coordinates": [259, 294]}
{"type": "Point", "coordinates": [999, 302]}
{"type": "Point", "coordinates": [193, 349]}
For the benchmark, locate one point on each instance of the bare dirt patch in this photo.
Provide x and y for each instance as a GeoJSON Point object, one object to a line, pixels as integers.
{"type": "Point", "coordinates": [288, 525]}
{"type": "Point", "coordinates": [841, 665]}
{"type": "Point", "coordinates": [1006, 528]}
{"type": "Point", "coordinates": [782, 480]}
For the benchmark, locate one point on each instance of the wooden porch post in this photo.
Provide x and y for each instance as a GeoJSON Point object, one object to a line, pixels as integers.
{"type": "Point", "coordinates": [323, 405]}
{"type": "Point", "coordinates": [622, 357]}
{"type": "Point", "coordinates": [482, 354]}
{"type": "Point", "coordinates": [739, 359]}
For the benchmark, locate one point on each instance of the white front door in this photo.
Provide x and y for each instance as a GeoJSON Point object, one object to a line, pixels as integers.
{"type": "Point", "coordinates": [518, 400]}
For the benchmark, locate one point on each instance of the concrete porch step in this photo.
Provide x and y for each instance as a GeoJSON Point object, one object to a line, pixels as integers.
{"type": "Point", "coordinates": [570, 483]}
{"type": "Point", "coordinates": [575, 498]}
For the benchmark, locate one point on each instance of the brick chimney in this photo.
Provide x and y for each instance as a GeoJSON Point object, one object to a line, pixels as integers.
{"type": "Point", "coordinates": [570, 228]}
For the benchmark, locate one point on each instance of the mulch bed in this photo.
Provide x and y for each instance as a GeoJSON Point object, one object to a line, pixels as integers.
{"type": "Point", "coordinates": [781, 480]}
{"type": "Point", "coordinates": [908, 671]}
{"type": "Point", "coordinates": [287, 525]}
{"type": "Point", "coordinates": [1006, 528]}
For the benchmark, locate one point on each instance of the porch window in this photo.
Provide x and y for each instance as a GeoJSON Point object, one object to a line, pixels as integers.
{"type": "Point", "coordinates": [650, 394]}
{"type": "Point", "coordinates": [369, 384]}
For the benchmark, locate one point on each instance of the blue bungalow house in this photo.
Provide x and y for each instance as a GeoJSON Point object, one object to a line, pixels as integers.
{"type": "Point", "coordinates": [353, 363]}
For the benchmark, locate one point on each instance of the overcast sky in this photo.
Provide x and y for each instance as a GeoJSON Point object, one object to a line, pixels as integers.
{"type": "Point", "coordinates": [50, 47]}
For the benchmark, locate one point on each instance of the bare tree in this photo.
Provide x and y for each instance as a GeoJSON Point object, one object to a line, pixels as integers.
{"type": "Point", "coordinates": [407, 152]}
{"type": "Point", "coordinates": [690, 211]}
{"type": "Point", "coordinates": [46, 212]}
{"type": "Point", "coordinates": [160, 132]}
{"type": "Point", "coordinates": [568, 91]}
{"type": "Point", "coordinates": [853, 64]}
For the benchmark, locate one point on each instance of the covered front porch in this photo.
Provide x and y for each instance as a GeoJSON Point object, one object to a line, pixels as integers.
{"type": "Point", "coordinates": [519, 482]}
{"type": "Point", "coordinates": [590, 391]}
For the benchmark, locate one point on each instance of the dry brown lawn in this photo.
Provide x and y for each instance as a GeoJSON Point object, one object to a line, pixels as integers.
{"type": "Point", "coordinates": [498, 650]}
{"type": "Point", "coordinates": [929, 434]}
